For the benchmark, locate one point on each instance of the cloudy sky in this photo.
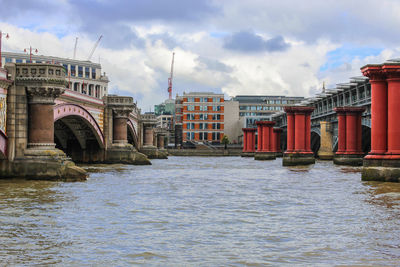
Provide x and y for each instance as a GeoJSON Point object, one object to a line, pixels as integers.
{"type": "Point", "coordinates": [268, 47]}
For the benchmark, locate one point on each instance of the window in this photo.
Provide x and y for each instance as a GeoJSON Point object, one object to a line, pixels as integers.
{"type": "Point", "coordinates": [93, 73]}
{"type": "Point", "coordinates": [188, 136]}
{"type": "Point", "coordinates": [72, 71]}
{"type": "Point", "coordinates": [201, 117]}
{"type": "Point", "coordinates": [190, 108]}
{"type": "Point", "coordinates": [200, 126]}
{"type": "Point", "coordinates": [216, 108]}
{"type": "Point", "coordinates": [187, 125]}
{"type": "Point", "coordinates": [259, 107]}
{"type": "Point", "coordinates": [218, 117]}
{"type": "Point", "coordinates": [200, 136]}
{"type": "Point", "coordinates": [192, 135]}
{"type": "Point", "coordinates": [192, 125]}
{"type": "Point", "coordinates": [87, 72]}
{"type": "Point", "coordinates": [80, 71]}
{"type": "Point", "coordinates": [8, 60]}
{"type": "Point", "coordinates": [242, 107]}
{"type": "Point", "coordinates": [205, 125]}
{"type": "Point", "coordinates": [18, 61]}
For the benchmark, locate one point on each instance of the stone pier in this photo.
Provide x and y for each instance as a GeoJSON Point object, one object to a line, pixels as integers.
{"type": "Point", "coordinates": [249, 142]}
{"type": "Point", "coordinates": [298, 136]}
{"type": "Point", "coordinates": [120, 151]}
{"type": "Point", "coordinates": [30, 122]}
{"type": "Point", "coordinates": [383, 161]}
{"type": "Point", "coordinates": [349, 136]}
{"type": "Point", "coordinates": [149, 141]}
{"type": "Point", "coordinates": [325, 150]}
{"type": "Point", "coordinates": [265, 141]}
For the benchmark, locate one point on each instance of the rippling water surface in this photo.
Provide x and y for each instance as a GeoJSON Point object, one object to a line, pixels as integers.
{"type": "Point", "coordinates": [192, 211]}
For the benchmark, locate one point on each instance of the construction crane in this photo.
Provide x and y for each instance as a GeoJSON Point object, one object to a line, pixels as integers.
{"type": "Point", "coordinates": [171, 76]}
{"type": "Point", "coordinates": [94, 48]}
{"type": "Point", "coordinates": [76, 43]}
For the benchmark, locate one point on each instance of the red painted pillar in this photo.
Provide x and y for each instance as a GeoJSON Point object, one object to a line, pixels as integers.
{"type": "Point", "coordinates": [379, 101]}
{"type": "Point", "coordinates": [341, 131]}
{"type": "Point", "coordinates": [393, 105]}
{"type": "Point", "coordinates": [273, 143]}
{"type": "Point", "coordinates": [259, 138]}
{"type": "Point", "coordinates": [308, 132]}
{"type": "Point", "coordinates": [265, 140]}
{"type": "Point", "coordinates": [300, 132]}
{"type": "Point", "coordinates": [278, 140]}
{"type": "Point", "coordinates": [359, 133]}
{"type": "Point", "coordinates": [253, 140]}
{"type": "Point", "coordinates": [290, 130]}
{"type": "Point", "coordinates": [245, 137]}
{"type": "Point", "coordinates": [351, 132]}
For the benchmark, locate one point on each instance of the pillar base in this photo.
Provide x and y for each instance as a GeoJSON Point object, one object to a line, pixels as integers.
{"type": "Point", "coordinates": [296, 158]}
{"type": "Point", "coordinates": [153, 153]}
{"type": "Point", "coordinates": [125, 154]}
{"type": "Point", "coordinates": [41, 164]}
{"type": "Point", "coordinates": [247, 154]}
{"type": "Point", "coordinates": [264, 156]}
{"type": "Point", "coordinates": [322, 155]}
{"type": "Point", "coordinates": [385, 170]}
{"type": "Point", "coordinates": [279, 154]}
{"type": "Point", "coordinates": [348, 159]}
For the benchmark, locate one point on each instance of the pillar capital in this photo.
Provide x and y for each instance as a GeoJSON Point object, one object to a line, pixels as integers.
{"type": "Point", "coordinates": [346, 110]}
{"type": "Point", "coordinates": [265, 123]}
{"type": "Point", "coordinates": [374, 72]}
{"type": "Point", "coordinates": [249, 129]}
{"type": "Point", "coordinates": [392, 71]}
{"type": "Point", "coordinates": [122, 112]}
{"type": "Point", "coordinates": [299, 109]}
{"type": "Point", "coordinates": [43, 95]}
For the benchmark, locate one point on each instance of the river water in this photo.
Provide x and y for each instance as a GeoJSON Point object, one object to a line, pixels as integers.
{"type": "Point", "coordinates": [193, 211]}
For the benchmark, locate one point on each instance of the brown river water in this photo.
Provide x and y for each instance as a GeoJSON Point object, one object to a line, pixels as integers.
{"type": "Point", "coordinates": [194, 211]}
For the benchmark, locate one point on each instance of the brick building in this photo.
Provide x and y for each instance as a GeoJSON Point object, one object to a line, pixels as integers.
{"type": "Point", "coordinates": [201, 115]}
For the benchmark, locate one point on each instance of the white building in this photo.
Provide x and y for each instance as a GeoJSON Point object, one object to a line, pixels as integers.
{"type": "Point", "coordinates": [84, 77]}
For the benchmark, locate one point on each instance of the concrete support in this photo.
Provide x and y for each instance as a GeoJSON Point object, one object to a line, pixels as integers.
{"type": "Point", "coordinates": [325, 150]}
{"type": "Point", "coordinates": [120, 151]}
{"type": "Point", "coordinates": [383, 161]}
{"type": "Point", "coordinates": [350, 133]}
{"type": "Point", "coordinates": [298, 135]}
{"type": "Point", "coordinates": [265, 139]}
{"type": "Point", "coordinates": [249, 138]}
{"type": "Point", "coordinates": [149, 148]}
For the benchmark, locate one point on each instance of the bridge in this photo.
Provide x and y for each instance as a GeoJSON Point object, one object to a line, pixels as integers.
{"type": "Point", "coordinates": [45, 127]}
{"type": "Point", "coordinates": [324, 119]}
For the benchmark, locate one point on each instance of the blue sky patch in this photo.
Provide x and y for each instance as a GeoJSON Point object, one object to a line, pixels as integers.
{"type": "Point", "coordinates": [346, 53]}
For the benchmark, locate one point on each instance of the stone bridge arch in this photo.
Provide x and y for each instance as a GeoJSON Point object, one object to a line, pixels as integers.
{"type": "Point", "coordinates": [77, 133]}
{"type": "Point", "coordinates": [315, 139]}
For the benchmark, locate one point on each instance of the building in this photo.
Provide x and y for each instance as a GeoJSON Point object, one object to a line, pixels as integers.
{"type": "Point", "coordinates": [261, 107]}
{"type": "Point", "coordinates": [165, 108]}
{"type": "Point", "coordinates": [201, 115]}
{"type": "Point", "coordinates": [233, 124]}
{"type": "Point", "coordinates": [84, 77]}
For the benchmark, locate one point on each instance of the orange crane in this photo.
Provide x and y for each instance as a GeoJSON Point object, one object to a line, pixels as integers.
{"type": "Point", "coordinates": [170, 77]}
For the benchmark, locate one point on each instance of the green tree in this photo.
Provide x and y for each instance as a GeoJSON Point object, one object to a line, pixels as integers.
{"type": "Point", "coordinates": [225, 141]}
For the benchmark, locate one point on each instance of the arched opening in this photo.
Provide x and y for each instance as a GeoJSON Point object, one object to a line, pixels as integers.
{"type": "Point", "coordinates": [74, 136]}
{"type": "Point", "coordinates": [284, 141]}
{"type": "Point", "coordinates": [3, 145]}
{"type": "Point", "coordinates": [132, 136]}
{"type": "Point", "coordinates": [315, 142]}
{"type": "Point", "coordinates": [77, 133]}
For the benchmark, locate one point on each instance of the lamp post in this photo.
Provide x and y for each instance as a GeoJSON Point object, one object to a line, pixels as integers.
{"type": "Point", "coordinates": [1, 35]}
{"type": "Point", "coordinates": [30, 52]}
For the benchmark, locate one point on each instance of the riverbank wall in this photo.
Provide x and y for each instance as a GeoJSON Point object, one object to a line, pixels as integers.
{"type": "Point", "coordinates": [230, 152]}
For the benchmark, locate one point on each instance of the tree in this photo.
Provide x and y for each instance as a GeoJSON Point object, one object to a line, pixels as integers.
{"type": "Point", "coordinates": [225, 141]}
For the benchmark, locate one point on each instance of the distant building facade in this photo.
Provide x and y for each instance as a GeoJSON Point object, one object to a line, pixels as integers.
{"type": "Point", "coordinates": [84, 77]}
{"type": "Point", "coordinates": [254, 108]}
{"type": "Point", "coordinates": [200, 116]}
{"type": "Point", "coordinates": [165, 108]}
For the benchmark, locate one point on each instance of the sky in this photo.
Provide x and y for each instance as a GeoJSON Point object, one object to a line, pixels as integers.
{"type": "Point", "coordinates": [267, 47]}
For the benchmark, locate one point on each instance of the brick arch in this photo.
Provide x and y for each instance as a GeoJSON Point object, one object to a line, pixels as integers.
{"type": "Point", "coordinates": [3, 145]}
{"type": "Point", "coordinates": [132, 130]}
{"type": "Point", "coordinates": [64, 110]}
